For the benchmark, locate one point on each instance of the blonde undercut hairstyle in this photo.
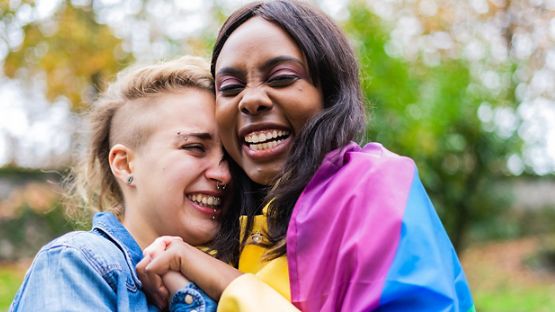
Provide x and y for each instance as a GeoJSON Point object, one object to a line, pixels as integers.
{"type": "Point", "coordinates": [91, 185]}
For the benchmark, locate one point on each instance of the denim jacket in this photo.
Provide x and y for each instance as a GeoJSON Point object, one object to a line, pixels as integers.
{"type": "Point", "coordinates": [95, 271]}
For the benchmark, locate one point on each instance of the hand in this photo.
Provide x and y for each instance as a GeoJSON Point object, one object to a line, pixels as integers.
{"type": "Point", "coordinates": [160, 245]}
{"type": "Point", "coordinates": [154, 284]}
{"type": "Point", "coordinates": [167, 253]}
{"type": "Point", "coordinates": [173, 254]}
{"type": "Point", "coordinates": [155, 290]}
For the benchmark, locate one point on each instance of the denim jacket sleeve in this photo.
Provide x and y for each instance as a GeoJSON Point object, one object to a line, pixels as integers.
{"type": "Point", "coordinates": [192, 298]}
{"type": "Point", "coordinates": [61, 278]}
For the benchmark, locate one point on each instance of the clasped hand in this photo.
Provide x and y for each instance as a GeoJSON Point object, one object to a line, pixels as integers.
{"type": "Point", "coordinates": [161, 267]}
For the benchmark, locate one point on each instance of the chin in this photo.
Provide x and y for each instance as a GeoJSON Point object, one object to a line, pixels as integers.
{"type": "Point", "coordinates": [264, 176]}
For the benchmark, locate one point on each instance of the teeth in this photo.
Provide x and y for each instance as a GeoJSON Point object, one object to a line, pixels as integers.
{"type": "Point", "coordinates": [263, 146]}
{"type": "Point", "coordinates": [205, 200]}
{"type": "Point", "coordinates": [261, 136]}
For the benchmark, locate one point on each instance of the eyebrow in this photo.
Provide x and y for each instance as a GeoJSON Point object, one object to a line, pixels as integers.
{"type": "Point", "coordinates": [280, 59]}
{"type": "Point", "coordinates": [199, 135]}
{"type": "Point", "coordinates": [267, 65]}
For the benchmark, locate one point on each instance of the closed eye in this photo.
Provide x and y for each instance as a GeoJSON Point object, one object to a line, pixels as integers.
{"type": "Point", "coordinates": [282, 80]}
{"type": "Point", "coordinates": [194, 148]}
{"type": "Point", "coordinates": [230, 89]}
{"type": "Point", "coordinates": [230, 85]}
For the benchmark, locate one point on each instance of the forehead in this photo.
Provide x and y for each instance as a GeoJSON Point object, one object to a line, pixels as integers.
{"type": "Point", "coordinates": [255, 41]}
{"type": "Point", "coordinates": [188, 108]}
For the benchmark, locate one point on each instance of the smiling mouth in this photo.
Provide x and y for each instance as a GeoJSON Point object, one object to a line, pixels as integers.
{"type": "Point", "coordinates": [208, 201]}
{"type": "Point", "coordinates": [265, 139]}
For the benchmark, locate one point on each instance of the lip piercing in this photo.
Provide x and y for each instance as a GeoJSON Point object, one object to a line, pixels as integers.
{"type": "Point", "coordinates": [220, 187]}
{"type": "Point", "coordinates": [214, 215]}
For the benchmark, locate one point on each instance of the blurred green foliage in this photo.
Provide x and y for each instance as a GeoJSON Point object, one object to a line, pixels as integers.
{"type": "Point", "coordinates": [29, 230]}
{"type": "Point", "coordinates": [430, 113]}
{"type": "Point", "coordinates": [427, 112]}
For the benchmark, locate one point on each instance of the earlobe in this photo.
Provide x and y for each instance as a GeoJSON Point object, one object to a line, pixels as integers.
{"type": "Point", "coordinates": [120, 159]}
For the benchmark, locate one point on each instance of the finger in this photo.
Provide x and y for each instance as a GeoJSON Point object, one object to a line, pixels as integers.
{"type": "Point", "coordinates": [161, 296]}
{"type": "Point", "coordinates": [161, 302]}
{"type": "Point", "coordinates": [165, 262]}
{"type": "Point", "coordinates": [160, 244]}
{"type": "Point", "coordinates": [153, 286]}
{"type": "Point", "coordinates": [164, 294]}
{"type": "Point", "coordinates": [142, 264]}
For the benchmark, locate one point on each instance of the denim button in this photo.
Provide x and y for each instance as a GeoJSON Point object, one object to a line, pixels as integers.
{"type": "Point", "coordinates": [189, 299]}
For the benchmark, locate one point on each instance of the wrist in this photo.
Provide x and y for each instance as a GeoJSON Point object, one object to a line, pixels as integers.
{"type": "Point", "coordinates": [187, 256]}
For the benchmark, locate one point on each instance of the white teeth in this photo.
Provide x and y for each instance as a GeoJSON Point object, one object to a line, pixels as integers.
{"type": "Point", "coordinates": [261, 136]}
{"type": "Point", "coordinates": [205, 200]}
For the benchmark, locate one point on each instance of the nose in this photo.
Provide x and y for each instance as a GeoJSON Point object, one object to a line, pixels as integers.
{"type": "Point", "coordinates": [219, 173]}
{"type": "Point", "coordinates": [255, 100]}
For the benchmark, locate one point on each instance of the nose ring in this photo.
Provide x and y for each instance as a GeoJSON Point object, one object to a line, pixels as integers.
{"type": "Point", "coordinates": [220, 187]}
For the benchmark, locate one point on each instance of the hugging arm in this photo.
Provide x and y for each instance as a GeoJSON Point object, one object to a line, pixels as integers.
{"type": "Point", "coordinates": [172, 254]}
{"type": "Point", "coordinates": [234, 290]}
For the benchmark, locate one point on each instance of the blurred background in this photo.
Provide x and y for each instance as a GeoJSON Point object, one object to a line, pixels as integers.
{"type": "Point", "coordinates": [466, 88]}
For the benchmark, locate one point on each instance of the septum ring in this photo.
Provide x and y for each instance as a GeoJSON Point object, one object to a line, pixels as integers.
{"type": "Point", "coordinates": [220, 187]}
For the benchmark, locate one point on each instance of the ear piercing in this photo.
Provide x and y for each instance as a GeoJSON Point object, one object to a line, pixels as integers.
{"type": "Point", "coordinates": [130, 180]}
{"type": "Point", "coordinates": [220, 187]}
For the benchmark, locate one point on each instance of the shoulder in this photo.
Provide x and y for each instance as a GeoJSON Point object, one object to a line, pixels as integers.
{"type": "Point", "coordinates": [375, 155]}
{"type": "Point", "coordinates": [88, 248]}
{"type": "Point", "coordinates": [75, 263]}
{"type": "Point", "coordinates": [372, 165]}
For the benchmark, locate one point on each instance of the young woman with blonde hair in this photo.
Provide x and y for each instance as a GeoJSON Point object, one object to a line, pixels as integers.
{"type": "Point", "coordinates": [154, 166]}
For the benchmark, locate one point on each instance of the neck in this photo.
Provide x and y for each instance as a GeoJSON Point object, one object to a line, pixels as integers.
{"type": "Point", "coordinates": [139, 229]}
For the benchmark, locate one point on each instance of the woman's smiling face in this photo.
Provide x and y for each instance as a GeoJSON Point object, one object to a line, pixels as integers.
{"type": "Point", "coordinates": [264, 97]}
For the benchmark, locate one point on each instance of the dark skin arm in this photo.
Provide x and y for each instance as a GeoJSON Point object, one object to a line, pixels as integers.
{"type": "Point", "coordinates": [172, 254]}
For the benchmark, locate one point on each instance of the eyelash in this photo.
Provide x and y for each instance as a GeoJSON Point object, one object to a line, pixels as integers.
{"type": "Point", "coordinates": [231, 89]}
{"type": "Point", "coordinates": [278, 81]}
{"type": "Point", "coordinates": [194, 148]}
{"type": "Point", "coordinates": [282, 80]}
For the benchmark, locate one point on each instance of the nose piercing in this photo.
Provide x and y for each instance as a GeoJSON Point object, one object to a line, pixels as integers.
{"type": "Point", "coordinates": [220, 187]}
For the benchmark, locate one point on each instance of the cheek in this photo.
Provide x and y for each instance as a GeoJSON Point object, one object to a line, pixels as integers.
{"type": "Point", "coordinates": [226, 120]}
{"type": "Point", "coordinates": [181, 173]}
{"type": "Point", "coordinates": [302, 113]}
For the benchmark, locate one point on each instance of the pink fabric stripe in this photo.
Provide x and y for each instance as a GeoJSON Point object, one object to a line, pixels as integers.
{"type": "Point", "coordinates": [345, 229]}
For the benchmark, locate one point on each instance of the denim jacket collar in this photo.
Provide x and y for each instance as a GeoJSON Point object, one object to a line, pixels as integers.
{"type": "Point", "coordinates": [107, 224]}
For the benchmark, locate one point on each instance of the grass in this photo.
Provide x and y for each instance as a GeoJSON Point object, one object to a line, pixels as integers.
{"type": "Point", "coordinates": [501, 280]}
{"type": "Point", "coordinates": [10, 280]}
{"type": "Point", "coordinates": [513, 298]}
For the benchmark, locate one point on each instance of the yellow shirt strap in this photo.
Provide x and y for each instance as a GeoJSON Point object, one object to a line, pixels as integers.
{"type": "Point", "coordinates": [248, 293]}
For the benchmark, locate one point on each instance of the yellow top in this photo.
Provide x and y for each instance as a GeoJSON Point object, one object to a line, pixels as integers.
{"type": "Point", "coordinates": [265, 284]}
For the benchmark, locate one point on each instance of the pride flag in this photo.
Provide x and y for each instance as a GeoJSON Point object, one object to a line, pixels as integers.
{"type": "Point", "coordinates": [364, 236]}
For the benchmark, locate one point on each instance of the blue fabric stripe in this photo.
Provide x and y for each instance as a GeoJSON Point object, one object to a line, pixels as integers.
{"type": "Point", "coordinates": [426, 274]}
